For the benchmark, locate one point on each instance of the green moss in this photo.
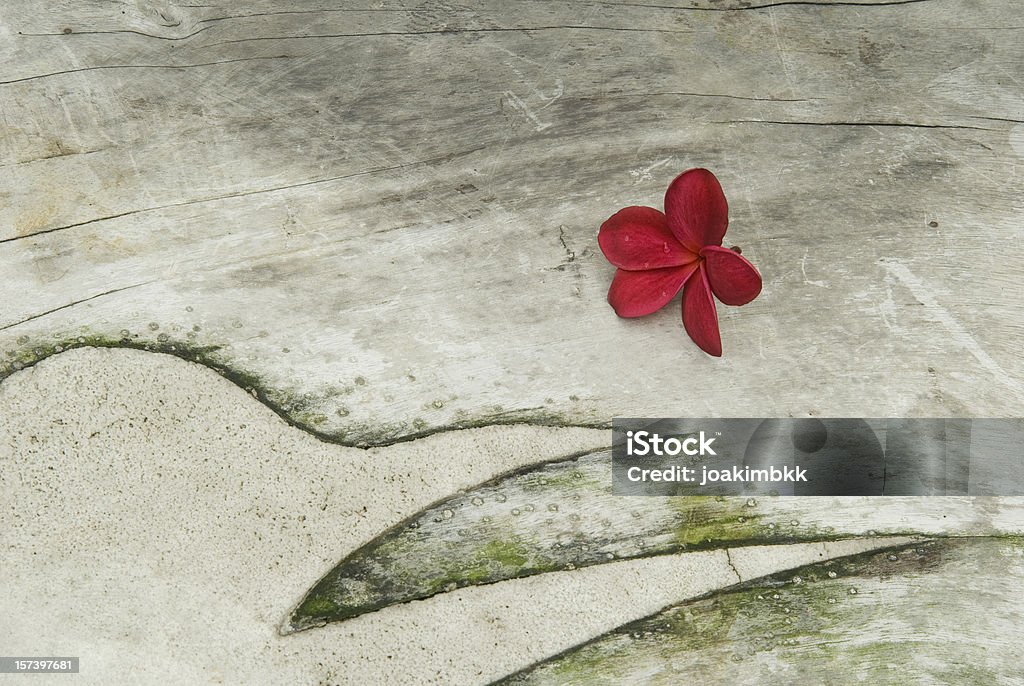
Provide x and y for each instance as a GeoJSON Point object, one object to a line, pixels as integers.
{"type": "Point", "coordinates": [496, 560]}
{"type": "Point", "coordinates": [476, 576]}
{"type": "Point", "coordinates": [793, 614]}
{"type": "Point", "coordinates": [507, 554]}
{"type": "Point", "coordinates": [968, 674]}
{"type": "Point", "coordinates": [390, 572]}
{"type": "Point", "coordinates": [377, 434]}
{"type": "Point", "coordinates": [287, 405]}
{"type": "Point", "coordinates": [302, 410]}
{"type": "Point", "coordinates": [704, 623]}
{"type": "Point", "coordinates": [317, 607]}
{"type": "Point", "coordinates": [591, 664]}
{"type": "Point", "coordinates": [706, 520]}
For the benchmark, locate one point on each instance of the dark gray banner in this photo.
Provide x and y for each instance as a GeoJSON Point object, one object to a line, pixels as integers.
{"type": "Point", "coordinates": [38, 665]}
{"type": "Point", "coordinates": [811, 456]}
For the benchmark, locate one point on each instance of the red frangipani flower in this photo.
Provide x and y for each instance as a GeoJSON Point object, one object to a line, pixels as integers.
{"type": "Point", "coordinates": [657, 254]}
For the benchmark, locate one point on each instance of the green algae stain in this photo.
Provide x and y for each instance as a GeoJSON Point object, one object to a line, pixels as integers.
{"type": "Point", "coordinates": [496, 560]}
{"type": "Point", "coordinates": [799, 616]}
{"type": "Point", "coordinates": [560, 477]}
{"type": "Point", "coordinates": [305, 411]}
{"type": "Point", "coordinates": [392, 572]}
{"type": "Point", "coordinates": [704, 521]}
{"type": "Point", "coordinates": [294, 408]}
{"type": "Point", "coordinates": [967, 674]}
{"type": "Point", "coordinates": [317, 607]}
{"type": "Point", "coordinates": [506, 554]}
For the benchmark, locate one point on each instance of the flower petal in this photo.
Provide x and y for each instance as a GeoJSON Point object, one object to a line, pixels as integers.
{"type": "Point", "coordinates": [699, 315]}
{"type": "Point", "coordinates": [635, 294]}
{"type": "Point", "coordinates": [637, 238]}
{"type": "Point", "coordinates": [733, 279]}
{"type": "Point", "coordinates": [696, 209]}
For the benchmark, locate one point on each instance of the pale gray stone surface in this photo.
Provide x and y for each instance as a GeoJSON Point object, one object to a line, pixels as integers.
{"type": "Point", "coordinates": [164, 536]}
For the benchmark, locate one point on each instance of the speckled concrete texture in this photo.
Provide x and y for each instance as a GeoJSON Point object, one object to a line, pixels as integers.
{"type": "Point", "coordinates": [160, 523]}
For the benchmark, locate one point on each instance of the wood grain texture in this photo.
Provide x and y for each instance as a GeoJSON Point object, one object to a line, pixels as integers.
{"type": "Point", "coordinates": [385, 215]}
{"type": "Point", "coordinates": [890, 617]}
{"type": "Point", "coordinates": [563, 515]}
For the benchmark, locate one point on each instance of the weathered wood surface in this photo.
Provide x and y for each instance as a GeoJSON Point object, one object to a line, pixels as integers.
{"type": "Point", "coordinates": [563, 515]}
{"type": "Point", "coordinates": [946, 612]}
{"type": "Point", "coordinates": [385, 215]}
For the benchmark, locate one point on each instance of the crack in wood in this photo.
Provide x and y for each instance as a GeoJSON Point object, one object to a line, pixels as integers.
{"type": "Point", "coordinates": [141, 66]}
{"type": "Point", "coordinates": [447, 32]}
{"type": "Point", "coordinates": [853, 123]}
{"type": "Point", "coordinates": [137, 33]}
{"type": "Point", "coordinates": [441, 158]}
{"type": "Point", "coordinates": [570, 254]}
{"type": "Point", "coordinates": [69, 153]}
{"type": "Point", "coordinates": [72, 304]}
{"type": "Point", "coordinates": [331, 10]}
{"type": "Point", "coordinates": [1006, 119]}
{"type": "Point", "coordinates": [810, 3]}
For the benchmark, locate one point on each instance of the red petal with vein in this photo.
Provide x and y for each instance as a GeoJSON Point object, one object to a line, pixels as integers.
{"type": "Point", "coordinates": [635, 294]}
{"type": "Point", "coordinates": [699, 315]}
{"type": "Point", "coordinates": [638, 238]}
{"type": "Point", "coordinates": [696, 209]}
{"type": "Point", "coordinates": [732, 278]}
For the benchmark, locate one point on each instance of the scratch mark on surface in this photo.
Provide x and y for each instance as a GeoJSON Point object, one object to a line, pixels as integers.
{"type": "Point", "coordinates": [783, 56]}
{"type": "Point", "coordinates": [803, 270]}
{"type": "Point", "coordinates": [887, 308]}
{"type": "Point", "coordinates": [518, 104]}
{"type": "Point", "coordinates": [644, 173]}
{"type": "Point", "coordinates": [652, 94]}
{"type": "Point", "coordinates": [547, 99]}
{"type": "Point", "coordinates": [960, 335]}
{"type": "Point", "coordinates": [138, 174]}
{"type": "Point", "coordinates": [552, 59]}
